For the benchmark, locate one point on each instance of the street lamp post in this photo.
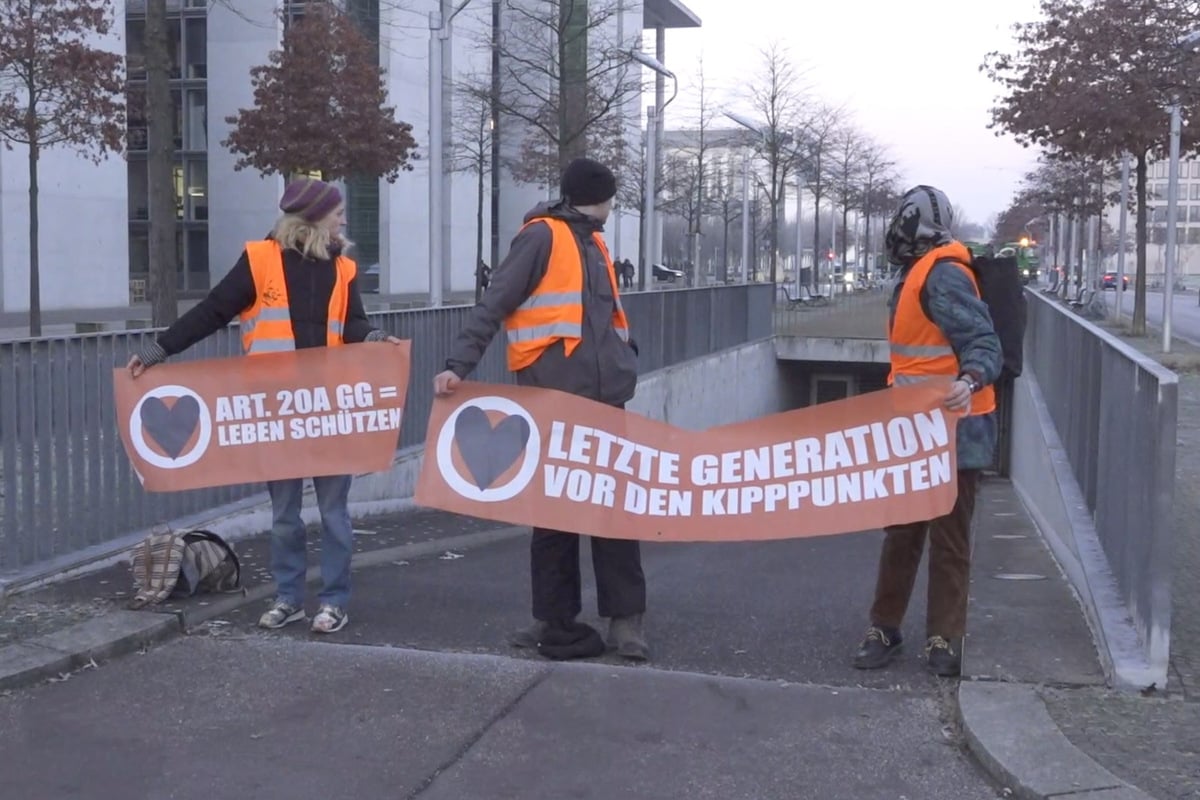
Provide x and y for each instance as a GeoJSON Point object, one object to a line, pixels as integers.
{"type": "Point", "coordinates": [1172, 219]}
{"type": "Point", "coordinates": [653, 145]}
{"type": "Point", "coordinates": [439, 178]}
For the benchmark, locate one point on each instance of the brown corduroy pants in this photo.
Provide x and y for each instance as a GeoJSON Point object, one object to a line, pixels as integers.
{"type": "Point", "coordinates": [949, 566]}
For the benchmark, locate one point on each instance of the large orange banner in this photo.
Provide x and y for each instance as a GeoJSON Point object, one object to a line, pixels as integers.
{"type": "Point", "coordinates": [317, 411]}
{"type": "Point", "coordinates": [548, 459]}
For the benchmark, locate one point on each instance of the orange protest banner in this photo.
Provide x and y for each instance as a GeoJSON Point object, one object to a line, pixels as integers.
{"type": "Point", "coordinates": [317, 411]}
{"type": "Point", "coordinates": [548, 459]}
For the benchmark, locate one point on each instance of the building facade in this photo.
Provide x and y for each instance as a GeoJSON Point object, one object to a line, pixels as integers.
{"type": "Point", "coordinates": [96, 218]}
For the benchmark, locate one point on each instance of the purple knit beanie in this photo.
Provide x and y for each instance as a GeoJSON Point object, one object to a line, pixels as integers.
{"type": "Point", "coordinates": [310, 199]}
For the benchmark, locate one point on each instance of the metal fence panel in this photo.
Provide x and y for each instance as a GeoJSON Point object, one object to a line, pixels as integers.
{"type": "Point", "coordinates": [66, 483]}
{"type": "Point", "coordinates": [1115, 411]}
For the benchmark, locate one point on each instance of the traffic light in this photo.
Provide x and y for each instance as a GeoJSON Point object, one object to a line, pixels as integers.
{"type": "Point", "coordinates": [829, 256]}
{"type": "Point", "coordinates": [1024, 241]}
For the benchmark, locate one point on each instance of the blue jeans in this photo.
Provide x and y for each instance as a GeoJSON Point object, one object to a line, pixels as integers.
{"type": "Point", "coordinates": [289, 555]}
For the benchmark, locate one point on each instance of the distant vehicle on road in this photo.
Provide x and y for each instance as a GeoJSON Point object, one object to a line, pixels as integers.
{"type": "Point", "coordinates": [667, 274]}
{"type": "Point", "coordinates": [1109, 281]}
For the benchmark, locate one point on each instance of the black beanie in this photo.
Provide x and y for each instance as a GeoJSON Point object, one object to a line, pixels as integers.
{"type": "Point", "coordinates": [587, 183]}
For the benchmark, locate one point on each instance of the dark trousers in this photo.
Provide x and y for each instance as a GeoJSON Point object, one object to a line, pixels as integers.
{"type": "Point", "coordinates": [557, 590]}
{"type": "Point", "coordinates": [949, 566]}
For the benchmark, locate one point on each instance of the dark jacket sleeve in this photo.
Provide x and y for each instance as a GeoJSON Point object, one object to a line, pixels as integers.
{"type": "Point", "coordinates": [230, 297]}
{"type": "Point", "coordinates": [512, 283]}
{"type": "Point", "coordinates": [951, 302]}
{"type": "Point", "coordinates": [358, 325]}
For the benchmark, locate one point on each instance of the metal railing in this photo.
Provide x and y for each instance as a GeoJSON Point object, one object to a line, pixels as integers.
{"type": "Point", "coordinates": [1114, 410]}
{"type": "Point", "coordinates": [66, 484]}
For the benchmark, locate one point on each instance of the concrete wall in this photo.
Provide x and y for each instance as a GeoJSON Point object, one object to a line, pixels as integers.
{"type": "Point", "coordinates": [84, 234]}
{"type": "Point", "coordinates": [1043, 478]}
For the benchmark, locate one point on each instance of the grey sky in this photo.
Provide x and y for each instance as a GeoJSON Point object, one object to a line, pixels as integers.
{"type": "Point", "coordinates": [908, 72]}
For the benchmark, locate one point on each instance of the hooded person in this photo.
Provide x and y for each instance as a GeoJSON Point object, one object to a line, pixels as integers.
{"type": "Point", "coordinates": [938, 328]}
{"type": "Point", "coordinates": [556, 296]}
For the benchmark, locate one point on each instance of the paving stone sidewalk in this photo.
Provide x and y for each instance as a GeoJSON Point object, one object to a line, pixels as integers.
{"type": "Point", "coordinates": [1153, 741]}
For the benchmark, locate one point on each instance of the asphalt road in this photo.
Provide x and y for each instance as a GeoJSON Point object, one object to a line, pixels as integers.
{"type": "Point", "coordinates": [749, 695]}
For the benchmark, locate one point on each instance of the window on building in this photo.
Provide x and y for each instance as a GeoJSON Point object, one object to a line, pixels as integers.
{"type": "Point", "coordinates": [135, 51]}
{"type": "Point", "coordinates": [1159, 214]}
{"type": "Point", "coordinates": [1195, 191]}
{"type": "Point", "coordinates": [1193, 235]}
{"type": "Point", "coordinates": [195, 42]}
{"type": "Point", "coordinates": [1193, 214]}
{"type": "Point", "coordinates": [177, 182]}
{"type": "Point", "coordinates": [175, 48]}
{"type": "Point", "coordinates": [197, 190]}
{"type": "Point", "coordinates": [1160, 191]}
{"type": "Point", "coordinates": [196, 120]}
{"type": "Point", "coordinates": [197, 259]}
{"type": "Point", "coordinates": [1158, 234]}
{"type": "Point", "coordinates": [139, 190]}
{"type": "Point", "coordinates": [139, 255]}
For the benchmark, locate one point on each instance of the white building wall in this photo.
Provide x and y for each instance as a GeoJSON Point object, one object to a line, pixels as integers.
{"type": "Point", "coordinates": [84, 239]}
{"type": "Point", "coordinates": [242, 205]}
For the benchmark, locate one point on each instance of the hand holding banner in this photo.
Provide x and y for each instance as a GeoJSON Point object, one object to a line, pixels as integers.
{"type": "Point", "coordinates": [317, 411]}
{"type": "Point", "coordinates": [549, 459]}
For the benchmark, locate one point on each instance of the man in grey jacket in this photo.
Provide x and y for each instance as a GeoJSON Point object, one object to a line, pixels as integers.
{"type": "Point", "coordinates": [599, 364]}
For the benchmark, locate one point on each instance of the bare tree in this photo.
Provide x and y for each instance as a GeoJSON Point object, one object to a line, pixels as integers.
{"type": "Point", "coordinates": [777, 99]}
{"type": "Point", "coordinates": [727, 202]}
{"type": "Point", "coordinates": [820, 125]}
{"type": "Point", "coordinates": [699, 154]}
{"type": "Point", "coordinates": [566, 81]}
{"type": "Point", "coordinates": [472, 154]}
{"type": "Point", "coordinates": [878, 173]}
{"type": "Point", "coordinates": [846, 176]}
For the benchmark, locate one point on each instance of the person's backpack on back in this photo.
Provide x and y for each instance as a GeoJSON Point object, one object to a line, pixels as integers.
{"type": "Point", "coordinates": [1001, 289]}
{"type": "Point", "coordinates": [169, 564]}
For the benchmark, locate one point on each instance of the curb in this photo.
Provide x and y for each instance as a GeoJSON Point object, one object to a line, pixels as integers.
{"type": "Point", "coordinates": [1010, 733]}
{"type": "Point", "coordinates": [121, 632]}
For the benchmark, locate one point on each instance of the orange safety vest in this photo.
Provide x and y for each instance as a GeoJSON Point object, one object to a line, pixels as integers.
{"type": "Point", "coordinates": [555, 309]}
{"type": "Point", "coordinates": [267, 324]}
{"type": "Point", "coordinates": [919, 349]}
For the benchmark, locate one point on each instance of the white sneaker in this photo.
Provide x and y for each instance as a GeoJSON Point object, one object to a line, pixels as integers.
{"type": "Point", "coordinates": [279, 614]}
{"type": "Point", "coordinates": [329, 619]}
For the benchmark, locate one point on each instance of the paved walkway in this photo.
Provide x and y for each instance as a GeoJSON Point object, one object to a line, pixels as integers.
{"type": "Point", "coordinates": [749, 693]}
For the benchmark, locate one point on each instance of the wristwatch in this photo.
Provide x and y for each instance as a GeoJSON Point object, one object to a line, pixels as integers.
{"type": "Point", "coordinates": [970, 381]}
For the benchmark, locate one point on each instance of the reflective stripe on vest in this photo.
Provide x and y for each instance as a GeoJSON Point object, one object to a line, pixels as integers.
{"type": "Point", "coordinates": [554, 311]}
{"type": "Point", "coordinates": [919, 349]}
{"type": "Point", "coordinates": [266, 326]}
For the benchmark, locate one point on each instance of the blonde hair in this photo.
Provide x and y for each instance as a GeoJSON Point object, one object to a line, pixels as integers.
{"type": "Point", "coordinates": [293, 232]}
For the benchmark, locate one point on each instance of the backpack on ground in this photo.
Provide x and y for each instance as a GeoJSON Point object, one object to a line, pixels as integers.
{"type": "Point", "coordinates": [1002, 291]}
{"type": "Point", "coordinates": [171, 564]}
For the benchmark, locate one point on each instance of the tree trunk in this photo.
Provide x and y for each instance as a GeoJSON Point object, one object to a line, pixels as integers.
{"type": "Point", "coordinates": [494, 109]}
{"type": "Point", "coordinates": [725, 245]}
{"type": "Point", "coordinates": [1138, 324]}
{"type": "Point", "coordinates": [479, 237]}
{"type": "Point", "coordinates": [160, 163]}
{"type": "Point", "coordinates": [572, 89]}
{"type": "Point", "coordinates": [35, 288]}
{"type": "Point", "coordinates": [845, 234]}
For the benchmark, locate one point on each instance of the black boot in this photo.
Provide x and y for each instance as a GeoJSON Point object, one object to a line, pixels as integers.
{"type": "Point", "coordinates": [941, 658]}
{"type": "Point", "coordinates": [625, 634]}
{"type": "Point", "coordinates": [878, 648]}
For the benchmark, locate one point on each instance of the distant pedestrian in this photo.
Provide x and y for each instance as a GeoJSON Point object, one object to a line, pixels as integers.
{"type": "Point", "coordinates": [938, 328]}
{"type": "Point", "coordinates": [293, 290]}
{"type": "Point", "coordinates": [556, 296]}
